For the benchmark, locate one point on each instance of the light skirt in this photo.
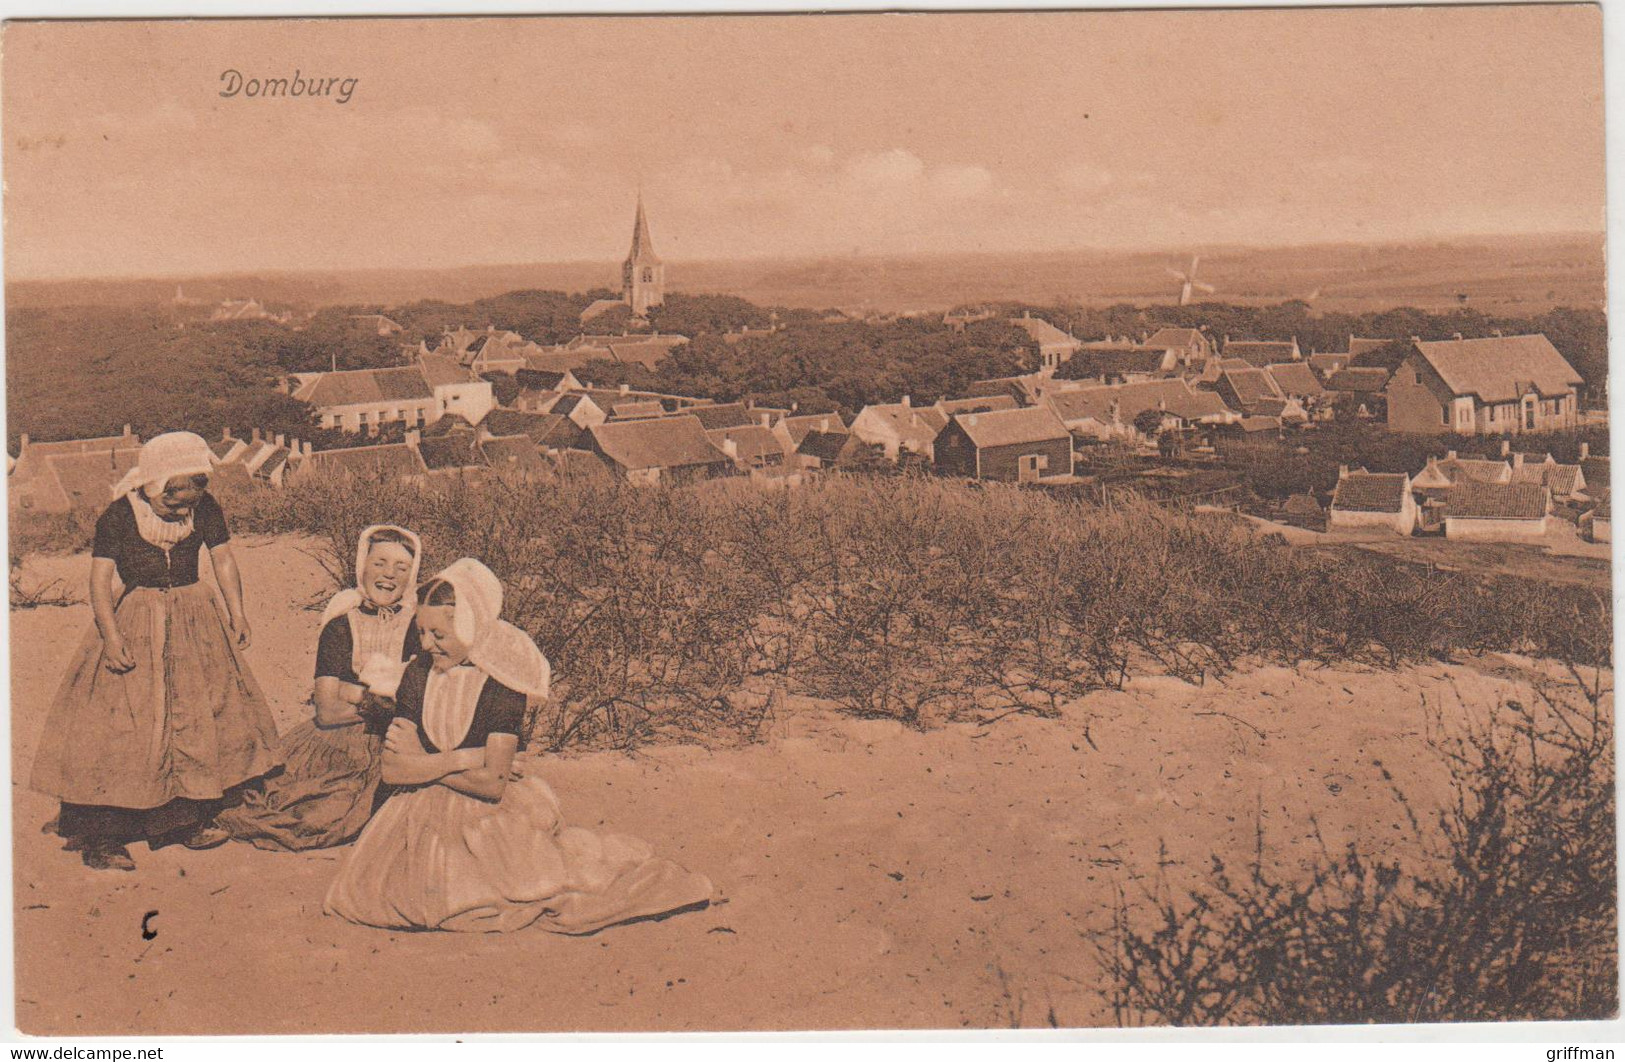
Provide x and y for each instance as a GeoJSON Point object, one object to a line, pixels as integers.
{"type": "Point", "coordinates": [188, 722]}
{"type": "Point", "coordinates": [433, 858]}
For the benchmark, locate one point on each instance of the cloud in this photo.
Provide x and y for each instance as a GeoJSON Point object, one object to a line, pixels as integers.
{"type": "Point", "coordinates": [894, 167]}
{"type": "Point", "coordinates": [961, 182]}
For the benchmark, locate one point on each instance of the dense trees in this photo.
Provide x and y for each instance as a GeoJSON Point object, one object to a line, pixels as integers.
{"type": "Point", "coordinates": [77, 371]}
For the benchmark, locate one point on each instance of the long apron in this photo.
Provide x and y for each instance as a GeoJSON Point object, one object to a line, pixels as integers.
{"type": "Point", "coordinates": [187, 723]}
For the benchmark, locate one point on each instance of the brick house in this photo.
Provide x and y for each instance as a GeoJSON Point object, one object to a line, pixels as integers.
{"type": "Point", "coordinates": [1011, 445]}
{"type": "Point", "coordinates": [1501, 385]}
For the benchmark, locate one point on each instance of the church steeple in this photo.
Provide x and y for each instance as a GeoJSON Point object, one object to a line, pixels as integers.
{"type": "Point", "coordinates": [643, 275]}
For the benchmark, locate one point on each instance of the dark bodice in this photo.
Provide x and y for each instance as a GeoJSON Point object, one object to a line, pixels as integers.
{"type": "Point", "coordinates": [139, 562]}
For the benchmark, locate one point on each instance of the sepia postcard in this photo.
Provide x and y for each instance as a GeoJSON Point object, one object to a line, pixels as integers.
{"type": "Point", "coordinates": [703, 523]}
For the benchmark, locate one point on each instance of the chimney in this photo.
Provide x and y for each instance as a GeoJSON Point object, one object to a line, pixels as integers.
{"type": "Point", "coordinates": [308, 447]}
{"type": "Point", "coordinates": [414, 438]}
{"type": "Point", "coordinates": [225, 434]}
{"type": "Point", "coordinates": [625, 388]}
{"type": "Point", "coordinates": [1585, 449]}
{"type": "Point", "coordinates": [22, 444]}
{"type": "Point", "coordinates": [1450, 455]}
{"type": "Point", "coordinates": [1517, 460]}
{"type": "Point", "coordinates": [256, 436]}
{"type": "Point", "coordinates": [127, 431]}
{"type": "Point", "coordinates": [750, 403]}
{"type": "Point", "coordinates": [1342, 471]}
{"type": "Point", "coordinates": [766, 419]}
{"type": "Point", "coordinates": [1506, 447]}
{"type": "Point", "coordinates": [970, 418]}
{"type": "Point", "coordinates": [1456, 336]}
{"type": "Point", "coordinates": [905, 401]}
{"type": "Point", "coordinates": [823, 425]}
{"type": "Point", "coordinates": [280, 440]}
{"type": "Point", "coordinates": [730, 447]}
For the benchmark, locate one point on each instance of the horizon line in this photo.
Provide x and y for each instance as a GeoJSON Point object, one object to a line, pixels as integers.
{"type": "Point", "coordinates": [1201, 249]}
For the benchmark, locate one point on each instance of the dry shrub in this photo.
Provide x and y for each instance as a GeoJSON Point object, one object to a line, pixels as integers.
{"type": "Point", "coordinates": [1510, 915]}
{"type": "Point", "coordinates": [675, 613]}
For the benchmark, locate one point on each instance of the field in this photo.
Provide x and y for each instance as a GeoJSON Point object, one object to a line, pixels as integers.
{"type": "Point", "coordinates": [933, 791]}
{"type": "Point", "coordinates": [1513, 275]}
{"type": "Point", "coordinates": [873, 875]}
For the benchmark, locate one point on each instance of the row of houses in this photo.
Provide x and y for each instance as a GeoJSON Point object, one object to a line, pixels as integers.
{"type": "Point", "coordinates": [1474, 499]}
{"type": "Point", "coordinates": [496, 350]}
{"type": "Point", "coordinates": [1494, 385]}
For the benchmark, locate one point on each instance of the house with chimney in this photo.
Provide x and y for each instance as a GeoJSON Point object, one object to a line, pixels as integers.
{"type": "Point", "coordinates": [900, 427]}
{"type": "Point", "coordinates": [1501, 385]}
{"type": "Point", "coordinates": [60, 476]}
{"type": "Point", "coordinates": [1055, 347]}
{"type": "Point", "coordinates": [1363, 500]}
{"type": "Point", "coordinates": [1108, 412]}
{"type": "Point", "coordinates": [364, 400]}
{"type": "Point", "coordinates": [1259, 352]}
{"type": "Point", "coordinates": [1190, 346]}
{"type": "Point", "coordinates": [1497, 512]}
{"type": "Point", "coordinates": [661, 450]}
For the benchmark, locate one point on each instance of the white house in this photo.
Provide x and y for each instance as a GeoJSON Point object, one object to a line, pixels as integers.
{"type": "Point", "coordinates": [1373, 499]}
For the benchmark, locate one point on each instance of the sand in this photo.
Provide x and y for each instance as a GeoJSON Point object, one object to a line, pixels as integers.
{"type": "Point", "coordinates": [868, 875]}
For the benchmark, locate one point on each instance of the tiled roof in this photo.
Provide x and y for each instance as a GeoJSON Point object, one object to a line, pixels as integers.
{"type": "Point", "coordinates": [1174, 338]}
{"type": "Point", "coordinates": [541, 379]}
{"type": "Point", "coordinates": [824, 445]}
{"type": "Point", "coordinates": [505, 422]}
{"type": "Point", "coordinates": [1259, 423]}
{"type": "Point", "coordinates": [1259, 353]}
{"type": "Point", "coordinates": [512, 451]}
{"type": "Point", "coordinates": [1358, 380]}
{"type": "Point", "coordinates": [1175, 396]}
{"type": "Point", "coordinates": [1043, 333]}
{"type": "Point", "coordinates": [1326, 364]}
{"type": "Point", "coordinates": [1371, 492]}
{"type": "Point", "coordinates": [1496, 501]}
{"type": "Point", "coordinates": [1475, 469]}
{"type": "Point", "coordinates": [443, 372]}
{"type": "Point", "coordinates": [88, 478]}
{"type": "Point", "coordinates": [1251, 386]}
{"type": "Point", "coordinates": [358, 387]}
{"type": "Point", "coordinates": [368, 462]}
{"type": "Point", "coordinates": [636, 408]}
{"type": "Point", "coordinates": [459, 450]}
{"type": "Point", "coordinates": [1501, 368]}
{"type": "Point", "coordinates": [1012, 427]}
{"type": "Point", "coordinates": [1295, 378]}
{"type": "Point", "coordinates": [918, 426]}
{"type": "Point", "coordinates": [660, 442]}
{"type": "Point", "coordinates": [1561, 480]}
{"type": "Point", "coordinates": [981, 404]}
{"type": "Point", "coordinates": [723, 415]}
{"type": "Point", "coordinates": [1360, 345]}
{"type": "Point", "coordinates": [1302, 505]}
{"type": "Point", "coordinates": [222, 447]}
{"type": "Point", "coordinates": [801, 425]}
{"type": "Point", "coordinates": [751, 441]}
{"type": "Point", "coordinates": [1596, 473]}
{"type": "Point", "coordinates": [1118, 361]}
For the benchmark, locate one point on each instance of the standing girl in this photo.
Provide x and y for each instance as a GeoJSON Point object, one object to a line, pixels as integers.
{"type": "Point", "coordinates": [463, 844]}
{"type": "Point", "coordinates": [326, 790]}
{"type": "Point", "coordinates": [158, 717]}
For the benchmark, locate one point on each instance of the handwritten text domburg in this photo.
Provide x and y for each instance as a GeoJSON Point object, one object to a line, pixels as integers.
{"type": "Point", "coordinates": [339, 90]}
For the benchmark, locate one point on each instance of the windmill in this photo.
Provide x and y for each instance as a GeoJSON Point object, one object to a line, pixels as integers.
{"type": "Point", "coordinates": [1188, 282]}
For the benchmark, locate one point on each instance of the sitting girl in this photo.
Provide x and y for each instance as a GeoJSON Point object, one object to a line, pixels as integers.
{"type": "Point", "coordinates": [326, 792]}
{"type": "Point", "coordinates": [462, 844]}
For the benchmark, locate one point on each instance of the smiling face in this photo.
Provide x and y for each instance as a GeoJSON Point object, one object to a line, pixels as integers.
{"type": "Point", "coordinates": [382, 579]}
{"type": "Point", "coordinates": [440, 639]}
{"type": "Point", "coordinates": [178, 497]}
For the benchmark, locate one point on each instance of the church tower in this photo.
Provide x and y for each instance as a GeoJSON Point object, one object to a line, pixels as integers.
{"type": "Point", "coordinates": [643, 275]}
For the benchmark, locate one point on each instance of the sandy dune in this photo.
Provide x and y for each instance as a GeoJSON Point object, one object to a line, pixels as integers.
{"type": "Point", "coordinates": [870, 876]}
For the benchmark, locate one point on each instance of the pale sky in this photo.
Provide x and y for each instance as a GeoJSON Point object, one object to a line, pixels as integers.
{"type": "Point", "coordinates": [472, 141]}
